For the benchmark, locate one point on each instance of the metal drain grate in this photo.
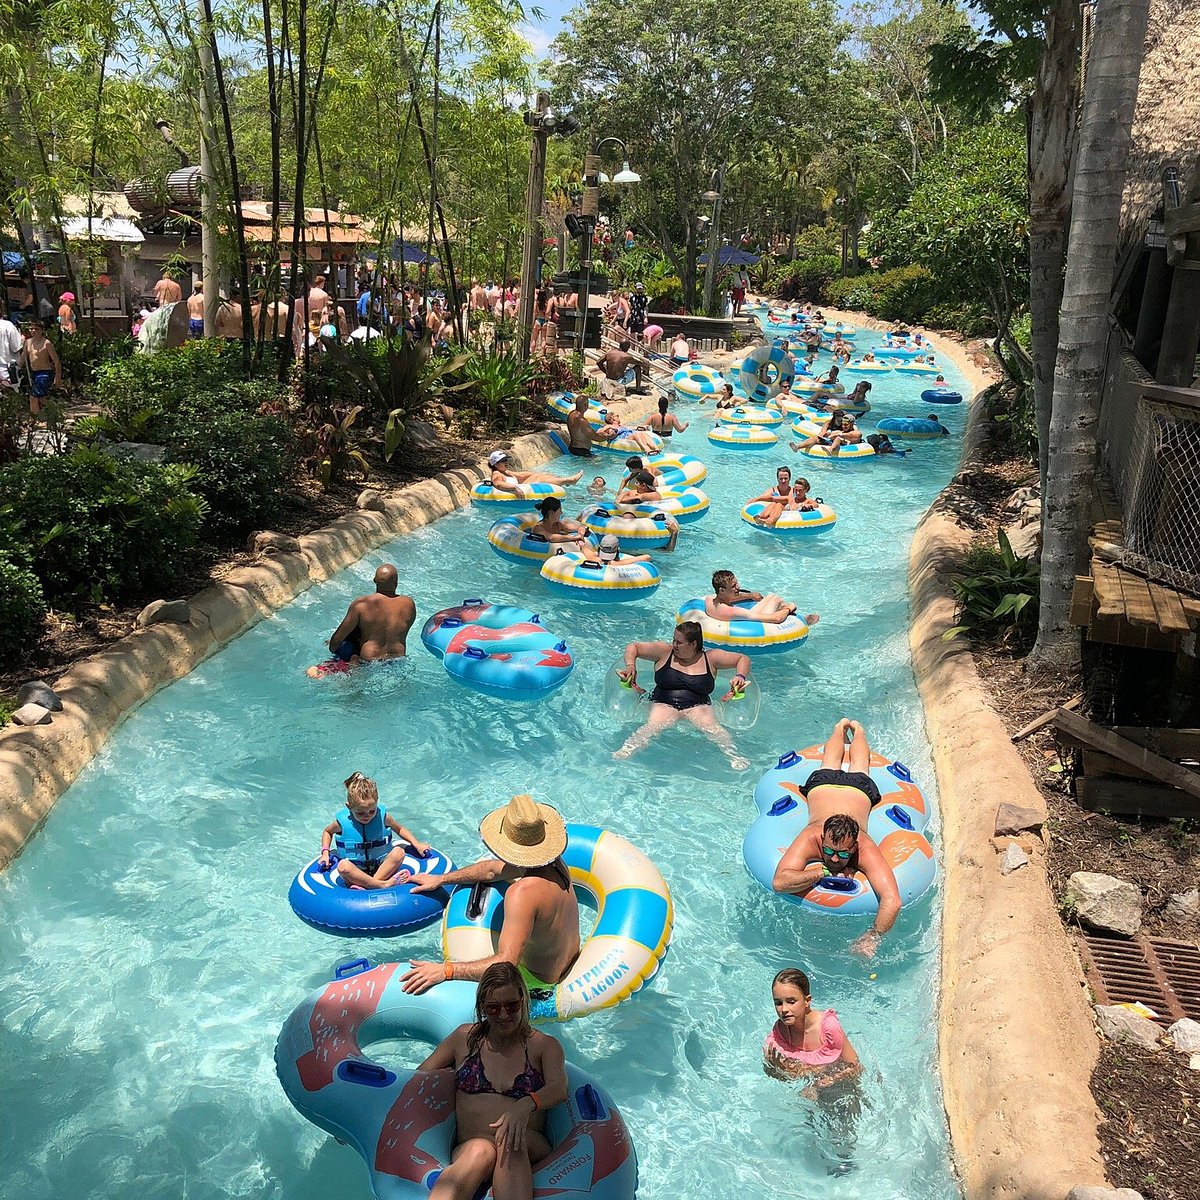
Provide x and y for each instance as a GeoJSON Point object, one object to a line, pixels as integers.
{"type": "Point", "coordinates": [1163, 975]}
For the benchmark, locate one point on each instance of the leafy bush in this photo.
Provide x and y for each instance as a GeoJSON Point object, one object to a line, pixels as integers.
{"type": "Point", "coordinates": [901, 294]}
{"type": "Point", "coordinates": [500, 381]}
{"type": "Point", "coordinates": [819, 241]}
{"type": "Point", "coordinates": [22, 606]}
{"type": "Point", "coordinates": [994, 593]}
{"type": "Point", "coordinates": [100, 529]}
{"type": "Point", "coordinates": [82, 355]}
{"type": "Point", "coordinates": [971, 320]}
{"type": "Point", "coordinates": [242, 462]}
{"type": "Point", "coordinates": [807, 278]}
{"type": "Point", "coordinates": [140, 394]}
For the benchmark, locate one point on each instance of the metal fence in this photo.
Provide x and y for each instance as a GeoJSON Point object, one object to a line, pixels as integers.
{"type": "Point", "coordinates": [1149, 447]}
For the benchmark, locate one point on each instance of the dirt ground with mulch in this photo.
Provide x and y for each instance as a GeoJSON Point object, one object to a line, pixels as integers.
{"type": "Point", "coordinates": [1150, 1138]}
{"type": "Point", "coordinates": [70, 637]}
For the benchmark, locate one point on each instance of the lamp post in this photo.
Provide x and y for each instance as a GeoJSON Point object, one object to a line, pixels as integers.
{"type": "Point", "coordinates": [542, 121]}
{"type": "Point", "coordinates": [841, 207]}
{"type": "Point", "coordinates": [585, 224]}
{"type": "Point", "coordinates": [714, 197]}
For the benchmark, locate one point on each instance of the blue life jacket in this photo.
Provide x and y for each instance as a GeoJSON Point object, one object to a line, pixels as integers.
{"type": "Point", "coordinates": [367, 845]}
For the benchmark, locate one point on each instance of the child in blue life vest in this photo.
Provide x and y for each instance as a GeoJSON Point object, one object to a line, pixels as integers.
{"type": "Point", "coordinates": [359, 838]}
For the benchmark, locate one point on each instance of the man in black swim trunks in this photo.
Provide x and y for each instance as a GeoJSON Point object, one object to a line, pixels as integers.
{"type": "Point", "coordinates": [840, 795]}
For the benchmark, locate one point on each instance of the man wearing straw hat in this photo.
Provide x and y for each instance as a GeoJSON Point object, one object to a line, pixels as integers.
{"type": "Point", "coordinates": [540, 933]}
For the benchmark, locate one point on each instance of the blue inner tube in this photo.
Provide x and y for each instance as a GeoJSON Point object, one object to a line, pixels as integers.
{"type": "Point", "coordinates": [323, 900]}
{"type": "Point", "coordinates": [941, 396]}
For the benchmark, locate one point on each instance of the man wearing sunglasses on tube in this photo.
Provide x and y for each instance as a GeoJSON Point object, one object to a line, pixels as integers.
{"type": "Point", "coordinates": [840, 797]}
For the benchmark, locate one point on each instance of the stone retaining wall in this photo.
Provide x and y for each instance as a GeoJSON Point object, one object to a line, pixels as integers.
{"type": "Point", "coordinates": [38, 763]}
{"type": "Point", "coordinates": [1017, 1044]}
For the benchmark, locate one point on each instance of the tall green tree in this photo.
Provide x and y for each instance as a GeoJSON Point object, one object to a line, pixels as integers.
{"type": "Point", "coordinates": [1110, 95]}
{"type": "Point", "coordinates": [690, 85]}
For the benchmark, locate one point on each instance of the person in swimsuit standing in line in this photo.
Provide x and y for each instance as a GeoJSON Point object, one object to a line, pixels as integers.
{"type": "Point", "coordinates": [685, 677]}
{"type": "Point", "coordinates": [841, 795]}
{"type": "Point", "coordinates": [500, 1136]}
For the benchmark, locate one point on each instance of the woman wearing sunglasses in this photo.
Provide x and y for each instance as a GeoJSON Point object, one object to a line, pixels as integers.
{"type": "Point", "coordinates": [835, 841]}
{"type": "Point", "coordinates": [500, 1138]}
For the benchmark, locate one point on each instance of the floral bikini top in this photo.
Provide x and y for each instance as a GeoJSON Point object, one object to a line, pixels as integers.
{"type": "Point", "coordinates": [472, 1079]}
{"type": "Point", "coordinates": [833, 1038]}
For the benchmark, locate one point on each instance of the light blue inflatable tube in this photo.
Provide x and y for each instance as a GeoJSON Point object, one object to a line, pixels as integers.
{"type": "Point", "coordinates": [896, 824]}
{"type": "Point", "coordinates": [402, 1121]}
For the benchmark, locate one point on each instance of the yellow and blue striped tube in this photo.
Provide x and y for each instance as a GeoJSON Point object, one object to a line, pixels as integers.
{"type": "Point", "coordinates": [752, 414]}
{"type": "Point", "coordinates": [511, 539]}
{"type": "Point", "coordinates": [848, 334]}
{"type": "Point", "coordinates": [695, 380]}
{"type": "Point", "coordinates": [676, 470]}
{"type": "Point", "coordinates": [634, 921]}
{"type": "Point", "coordinates": [643, 531]}
{"type": "Point", "coordinates": [484, 493]}
{"type": "Point", "coordinates": [742, 437]}
{"type": "Point", "coordinates": [861, 450]}
{"type": "Point", "coordinates": [686, 505]}
{"type": "Point", "coordinates": [803, 384]}
{"type": "Point", "coordinates": [602, 583]}
{"type": "Point", "coordinates": [749, 636]}
{"type": "Point", "coordinates": [866, 368]}
{"type": "Point", "coordinates": [793, 521]}
{"type": "Point", "coordinates": [916, 368]}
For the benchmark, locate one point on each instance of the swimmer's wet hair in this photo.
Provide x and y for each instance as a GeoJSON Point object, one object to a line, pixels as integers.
{"type": "Point", "coordinates": [361, 790]}
{"type": "Point", "coordinates": [841, 827]}
{"type": "Point", "coordinates": [722, 579]}
{"type": "Point", "coordinates": [793, 977]}
{"type": "Point", "coordinates": [692, 633]}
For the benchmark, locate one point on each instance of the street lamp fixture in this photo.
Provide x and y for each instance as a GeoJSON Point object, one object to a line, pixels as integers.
{"type": "Point", "coordinates": [585, 223]}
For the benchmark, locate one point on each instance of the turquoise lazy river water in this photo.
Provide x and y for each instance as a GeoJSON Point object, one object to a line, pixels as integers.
{"type": "Point", "coordinates": [150, 955]}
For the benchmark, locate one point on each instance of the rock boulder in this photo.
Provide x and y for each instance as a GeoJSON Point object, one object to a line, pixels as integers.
{"type": "Point", "coordinates": [1183, 908]}
{"type": "Point", "coordinates": [1118, 1024]}
{"type": "Point", "coordinates": [1014, 857]}
{"type": "Point", "coordinates": [1013, 819]}
{"type": "Point", "coordinates": [38, 691]}
{"type": "Point", "coordinates": [32, 714]}
{"type": "Point", "coordinates": [1185, 1035]}
{"type": "Point", "coordinates": [1103, 1193]}
{"type": "Point", "coordinates": [164, 612]}
{"type": "Point", "coordinates": [1105, 902]}
{"type": "Point", "coordinates": [267, 541]}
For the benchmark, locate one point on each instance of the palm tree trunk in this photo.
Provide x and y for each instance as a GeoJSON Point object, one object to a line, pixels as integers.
{"type": "Point", "coordinates": [1052, 123]}
{"type": "Point", "coordinates": [1109, 96]}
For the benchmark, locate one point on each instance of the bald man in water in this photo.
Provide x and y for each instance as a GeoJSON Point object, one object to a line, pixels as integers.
{"type": "Point", "coordinates": [379, 622]}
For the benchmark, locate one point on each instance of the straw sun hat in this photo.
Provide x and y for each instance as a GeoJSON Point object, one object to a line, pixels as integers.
{"type": "Point", "coordinates": [524, 833]}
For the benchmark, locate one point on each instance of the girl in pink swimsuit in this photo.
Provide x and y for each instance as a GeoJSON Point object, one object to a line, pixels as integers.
{"type": "Point", "coordinates": [806, 1042]}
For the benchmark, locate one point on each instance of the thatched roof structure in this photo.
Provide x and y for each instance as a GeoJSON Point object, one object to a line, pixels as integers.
{"type": "Point", "coordinates": [1166, 124]}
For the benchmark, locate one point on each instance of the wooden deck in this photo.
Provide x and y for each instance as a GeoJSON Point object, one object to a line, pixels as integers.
{"type": "Point", "coordinates": [1120, 607]}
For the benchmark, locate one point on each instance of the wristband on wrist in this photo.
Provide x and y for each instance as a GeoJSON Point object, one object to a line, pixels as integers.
{"type": "Point", "coordinates": [449, 968]}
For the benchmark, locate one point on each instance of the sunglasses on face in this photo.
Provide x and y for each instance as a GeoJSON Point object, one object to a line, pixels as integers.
{"type": "Point", "coordinates": [830, 852]}
{"type": "Point", "coordinates": [508, 1007]}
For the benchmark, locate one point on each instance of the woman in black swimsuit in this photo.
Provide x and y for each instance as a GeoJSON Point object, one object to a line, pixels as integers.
{"type": "Point", "coordinates": [685, 676]}
{"type": "Point", "coordinates": [665, 423]}
{"type": "Point", "coordinates": [500, 1136]}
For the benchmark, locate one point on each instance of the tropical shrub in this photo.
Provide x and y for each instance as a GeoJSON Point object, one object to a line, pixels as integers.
{"type": "Point", "coordinates": [499, 383]}
{"type": "Point", "coordinates": [242, 462]}
{"type": "Point", "coordinates": [901, 294]}
{"type": "Point", "coordinates": [101, 529]}
{"type": "Point", "coordinates": [82, 355]}
{"type": "Point", "coordinates": [804, 279]}
{"type": "Point", "coordinates": [996, 593]}
{"type": "Point", "coordinates": [22, 605]}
